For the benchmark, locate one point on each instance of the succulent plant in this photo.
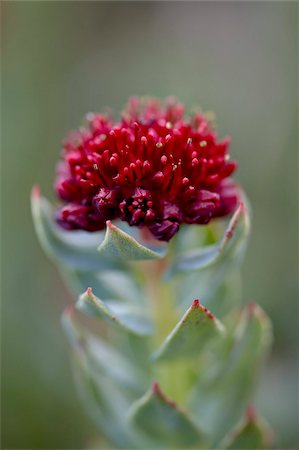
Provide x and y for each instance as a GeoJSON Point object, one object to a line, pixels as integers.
{"type": "Point", "coordinates": [163, 369]}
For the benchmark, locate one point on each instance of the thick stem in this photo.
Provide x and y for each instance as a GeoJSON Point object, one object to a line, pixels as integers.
{"type": "Point", "coordinates": [174, 377]}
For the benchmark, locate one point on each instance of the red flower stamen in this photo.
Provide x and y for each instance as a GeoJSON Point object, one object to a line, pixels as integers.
{"type": "Point", "coordinates": [154, 168]}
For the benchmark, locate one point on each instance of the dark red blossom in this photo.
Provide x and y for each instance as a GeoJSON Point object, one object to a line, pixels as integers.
{"type": "Point", "coordinates": [154, 168]}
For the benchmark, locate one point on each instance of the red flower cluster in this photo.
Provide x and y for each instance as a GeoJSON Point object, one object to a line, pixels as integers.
{"type": "Point", "coordinates": [154, 168]}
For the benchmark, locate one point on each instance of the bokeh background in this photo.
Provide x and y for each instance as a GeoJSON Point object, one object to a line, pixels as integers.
{"type": "Point", "coordinates": [62, 59]}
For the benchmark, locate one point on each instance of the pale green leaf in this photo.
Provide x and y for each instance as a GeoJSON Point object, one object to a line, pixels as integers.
{"type": "Point", "coordinates": [219, 286]}
{"type": "Point", "coordinates": [74, 249]}
{"type": "Point", "coordinates": [119, 245]}
{"type": "Point", "coordinates": [103, 358]}
{"type": "Point", "coordinates": [252, 433]}
{"type": "Point", "coordinates": [163, 423]}
{"type": "Point", "coordinates": [197, 327]}
{"type": "Point", "coordinates": [124, 316]}
{"type": "Point", "coordinates": [107, 382]}
{"type": "Point", "coordinates": [229, 375]}
{"type": "Point", "coordinates": [227, 250]}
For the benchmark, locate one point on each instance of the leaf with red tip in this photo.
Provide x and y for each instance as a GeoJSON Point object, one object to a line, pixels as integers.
{"type": "Point", "coordinates": [107, 382]}
{"type": "Point", "coordinates": [197, 327]}
{"type": "Point", "coordinates": [222, 393]}
{"type": "Point", "coordinates": [124, 316]}
{"type": "Point", "coordinates": [103, 358]}
{"type": "Point", "coordinates": [162, 423]}
{"type": "Point", "coordinates": [227, 251]}
{"type": "Point", "coordinates": [252, 433]}
{"type": "Point", "coordinates": [119, 245]}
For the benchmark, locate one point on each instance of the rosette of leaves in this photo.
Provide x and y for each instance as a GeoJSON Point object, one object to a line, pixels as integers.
{"type": "Point", "coordinates": [162, 369]}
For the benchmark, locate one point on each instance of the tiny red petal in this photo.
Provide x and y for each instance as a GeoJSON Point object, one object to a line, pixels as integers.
{"type": "Point", "coordinates": [155, 168]}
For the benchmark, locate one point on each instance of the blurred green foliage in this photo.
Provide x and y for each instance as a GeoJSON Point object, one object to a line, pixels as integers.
{"type": "Point", "coordinates": [62, 59]}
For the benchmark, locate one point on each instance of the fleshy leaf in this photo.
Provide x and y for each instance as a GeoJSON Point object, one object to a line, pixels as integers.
{"type": "Point", "coordinates": [212, 284]}
{"type": "Point", "coordinates": [119, 245]}
{"type": "Point", "coordinates": [229, 248]}
{"type": "Point", "coordinates": [107, 385]}
{"type": "Point", "coordinates": [117, 284]}
{"type": "Point", "coordinates": [104, 358]}
{"type": "Point", "coordinates": [122, 315]}
{"type": "Point", "coordinates": [223, 391]}
{"type": "Point", "coordinates": [252, 433]}
{"type": "Point", "coordinates": [163, 423]}
{"type": "Point", "coordinates": [75, 249]}
{"type": "Point", "coordinates": [196, 328]}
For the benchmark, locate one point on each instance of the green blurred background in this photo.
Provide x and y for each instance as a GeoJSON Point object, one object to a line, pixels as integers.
{"type": "Point", "coordinates": [62, 59]}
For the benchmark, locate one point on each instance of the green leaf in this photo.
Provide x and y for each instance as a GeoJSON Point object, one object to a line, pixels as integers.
{"type": "Point", "coordinates": [219, 286]}
{"type": "Point", "coordinates": [122, 315]}
{"type": "Point", "coordinates": [117, 284]}
{"type": "Point", "coordinates": [192, 333]}
{"type": "Point", "coordinates": [119, 245]}
{"type": "Point", "coordinates": [74, 249]}
{"type": "Point", "coordinates": [163, 423]}
{"type": "Point", "coordinates": [103, 358]}
{"type": "Point", "coordinates": [230, 373]}
{"type": "Point", "coordinates": [107, 382]}
{"type": "Point", "coordinates": [229, 249]}
{"type": "Point", "coordinates": [252, 433]}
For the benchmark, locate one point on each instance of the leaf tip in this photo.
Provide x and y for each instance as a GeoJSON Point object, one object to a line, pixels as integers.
{"type": "Point", "coordinates": [36, 191]}
{"type": "Point", "coordinates": [87, 298]}
{"type": "Point", "coordinates": [250, 414]}
{"type": "Point", "coordinates": [110, 225]}
{"type": "Point", "coordinates": [197, 305]}
{"type": "Point", "coordinates": [156, 387]}
{"type": "Point", "coordinates": [252, 308]}
{"type": "Point", "coordinates": [89, 292]}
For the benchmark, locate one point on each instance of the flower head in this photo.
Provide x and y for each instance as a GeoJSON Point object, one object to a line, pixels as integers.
{"type": "Point", "coordinates": [154, 168]}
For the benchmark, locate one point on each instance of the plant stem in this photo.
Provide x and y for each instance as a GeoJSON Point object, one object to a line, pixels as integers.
{"type": "Point", "coordinates": [174, 377]}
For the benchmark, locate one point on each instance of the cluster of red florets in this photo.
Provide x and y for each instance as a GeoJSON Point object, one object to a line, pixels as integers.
{"type": "Point", "coordinates": [154, 168]}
